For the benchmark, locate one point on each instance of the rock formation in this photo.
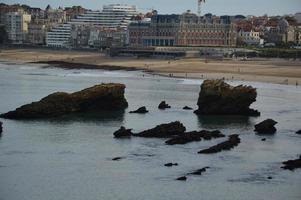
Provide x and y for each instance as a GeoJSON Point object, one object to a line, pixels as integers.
{"type": "Point", "coordinates": [123, 132]}
{"type": "Point", "coordinates": [163, 130]}
{"type": "Point", "coordinates": [140, 110]}
{"type": "Point", "coordinates": [97, 98]}
{"type": "Point", "coordinates": [199, 171]}
{"type": "Point", "coordinates": [170, 164]}
{"type": "Point", "coordinates": [219, 98]}
{"type": "Point", "coordinates": [292, 164]}
{"type": "Point", "coordinates": [117, 158]}
{"type": "Point", "coordinates": [194, 136]}
{"type": "Point", "coordinates": [163, 105]}
{"type": "Point", "coordinates": [182, 178]}
{"type": "Point", "coordinates": [233, 141]}
{"type": "Point", "coordinates": [266, 127]}
{"type": "Point", "coordinates": [187, 108]}
{"type": "Point", "coordinates": [1, 128]}
{"type": "Point", "coordinates": [298, 132]}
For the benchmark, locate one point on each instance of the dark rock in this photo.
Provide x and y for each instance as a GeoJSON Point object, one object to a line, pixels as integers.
{"type": "Point", "coordinates": [199, 171]}
{"type": "Point", "coordinates": [263, 139]}
{"type": "Point", "coordinates": [140, 110]}
{"type": "Point", "coordinates": [182, 178]}
{"type": "Point", "coordinates": [187, 108]}
{"type": "Point", "coordinates": [123, 132]}
{"type": "Point", "coordinates": [117, 158]}
{"type": "Point", "coordinates": [269, 177]}
{"type": "Point", "coordinates": [163, 105]}
{"type": "Point", "coordinates": [298, 132]}
{"type": "Point", "coordinates": [194, 136]}
{"type": "Point", "coordinates": [170, 164]}
{"type": "Point", "coordinates": [292, 164]}
{"type": "Point", "coordinates": [1, 128]}
{"type": "Point", "coordinates": [219, 98]}
{"type": "Point", "coordinates": [163, 130]}
{"type": "Point", "coordinates": [232, 141]}
{"type": "Point", "coordinates": [208, 135]}
{"type": "Point", "coordinates": [97, 98]}
{"type": "Point", "coordinates": [266, 127]}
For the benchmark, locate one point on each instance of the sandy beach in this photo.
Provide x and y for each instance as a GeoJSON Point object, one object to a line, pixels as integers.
{"type": "Point", "coordinates": [278, 71]}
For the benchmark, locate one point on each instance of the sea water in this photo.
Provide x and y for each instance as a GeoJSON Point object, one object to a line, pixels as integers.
{"type": "Point", "coordinates": [71, 157]}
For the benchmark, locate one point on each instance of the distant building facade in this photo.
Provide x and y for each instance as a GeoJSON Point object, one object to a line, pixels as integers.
{"type": "Point", "coordinates": [37, 32]}
{"type": "Point", "coordinates": [16, 24]}
{"type": "Point", "coordinates": [112, 17]}
{"type": "Point", "coordinates": [181, 30]}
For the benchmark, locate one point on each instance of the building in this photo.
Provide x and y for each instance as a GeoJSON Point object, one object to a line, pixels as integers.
{"type": "Point", "coordinates": [107, 37]}
{"type": "Point", "coordinates": [55, 16]}
{"type": "Point", "coordinates": [114, 16]}
{"type": "Point", "coordinates": [59, 36]}
{"type": "Point", "coordinates": [80, 35]}
{"type": "Point", "coordinates": [181, 30]}
{"type": "Point", "coordinates": [281, 31]}
{"type": "Point", "coordinates": [249, 37]}
{"type": "Point", "coordinates": [74, 11]}
{"type": "Point", "coordinates": [4, 9]}
{"type": "Point", "coordinates": [17, 26]}
{"type": "Point", "coordinates": [37, 32]}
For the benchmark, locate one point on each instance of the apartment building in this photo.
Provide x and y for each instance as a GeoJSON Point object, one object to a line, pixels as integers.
{"type": "Point", "coordinates": [16, 24]}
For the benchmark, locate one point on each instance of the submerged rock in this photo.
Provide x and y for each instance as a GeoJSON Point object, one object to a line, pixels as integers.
{"type": "Point", "coordinates": [298, 132]}
{"type": "Point", "coordinates": [170, 164]}
{"type": "Point", "coordinates": [163, 130]}
{"type": "Point", "coordinates": [123, 132]}
{"type": "Point", "coordinates": [182, 178]}
{"type": "Point", "coordinates": [140, 110]}
{"type": "Point", "coordinates": [266, 127]}
{"type": "Point", "coordinates": [187, 108]}
{"type": "Point", "coordinates": [292, 164]}
{"type": "Point", "coordinates": [163, 105]}
{"type": "Point", "coordinates": [199, 171]}
{"type": "Point", "coordinates": [219, 98]}
{"type": "Point", "coordinates": [233, 141]}
{"type": "Point", "coordinates": [117, 158]}
{"type": "Point", "coordinates": [194, 136]}
{"type": "Point", "coordinates": [97, 98]}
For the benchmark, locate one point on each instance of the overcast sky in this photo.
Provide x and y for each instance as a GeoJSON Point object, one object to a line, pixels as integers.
{"type": "Point", "coordinates": [218, 7]}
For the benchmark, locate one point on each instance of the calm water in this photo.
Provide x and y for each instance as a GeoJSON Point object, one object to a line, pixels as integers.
{"type": "Point", "coordinates": [70, 157]}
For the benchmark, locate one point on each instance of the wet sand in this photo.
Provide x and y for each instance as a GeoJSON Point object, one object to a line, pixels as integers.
{"type": "Point", "coordinates": [278, 71]}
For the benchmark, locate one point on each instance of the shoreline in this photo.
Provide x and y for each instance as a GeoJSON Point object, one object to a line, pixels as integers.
{"type": "Point", "coordinates": [278, 71]}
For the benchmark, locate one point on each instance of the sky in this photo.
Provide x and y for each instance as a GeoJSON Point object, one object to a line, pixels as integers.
{"type": "Point", "coordinates": [218, 7]}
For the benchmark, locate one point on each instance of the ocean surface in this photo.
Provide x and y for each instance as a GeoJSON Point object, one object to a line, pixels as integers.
{"type": "Point", "coordinates": [70, 158]}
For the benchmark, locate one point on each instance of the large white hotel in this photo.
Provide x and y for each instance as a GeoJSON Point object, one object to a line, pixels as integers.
{"type": "Point", "coordinates": [112, 16]}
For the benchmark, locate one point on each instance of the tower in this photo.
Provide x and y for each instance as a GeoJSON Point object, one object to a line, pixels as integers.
{"type": "Point", "coordinates": [200, 6]}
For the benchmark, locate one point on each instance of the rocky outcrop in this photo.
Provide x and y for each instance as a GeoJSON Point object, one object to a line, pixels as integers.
{"type": "Point", "coordinates": [163, 130]}
{"type": "Point", "coordinates": [1, 128]}
{"type": "Point", "coordinates": [199, 171]}
{"type": "Point", "coordinates": [233, 141]}
{"type": "Point", "coordinates": [194, 136]}
{"type": "Point", "coordinates": [170, 164]}
{"type": "Point", "coordinates": [97, 98]}
{"type": "Point", "coordinates": [187, 108]}
{"type": "Point", "coordinates": [292, 164]}
{"type": "Point", "coordinates": [117, 158]}
{"type": "Point", "coordinates": [140, 110]}
{"type": "Point", "coordinates": [298, 132]}
{"type": "Point", "coordinates": [266, 127]}
{"type": "Point", "coordinates": [219, 98]}
{"type": "Point", "coordinates": [182, 178]}
{"type": "Point", "coordinates": [123, 133]}
{"type": "Point", "coordinates": [163, 105]}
